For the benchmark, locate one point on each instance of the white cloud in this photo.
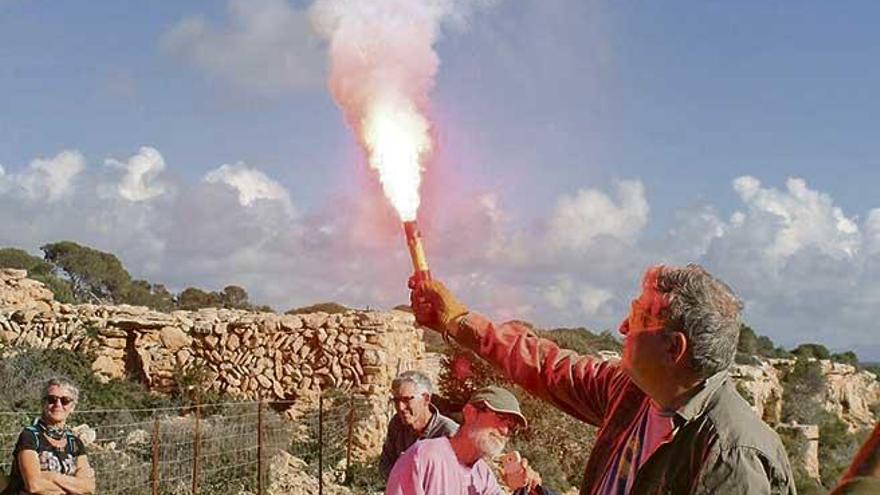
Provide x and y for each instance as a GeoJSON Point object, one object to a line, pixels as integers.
{"type": "Point", "coordinates": [592, 299]}
{"type": "Point", "coordinates": [577, 222]}
{"type": "Point", "coordinates": [50, 179]}
{"type": "Point", "coordinates": [797, 218]}
{"type": "Point", "coordinates": [807, 270]}
{"type": "Point", "coordinates": [266, 46]}
{"type": "Point", "coordinates": [141, 170]}
{"type": "Point", "coordinates": [251, 184]}
{"type": "Point", "coordinates": [586, 300]}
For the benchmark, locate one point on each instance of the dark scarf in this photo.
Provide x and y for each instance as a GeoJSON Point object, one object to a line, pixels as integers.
{"type": "Point", "coordinates": [53, 432]}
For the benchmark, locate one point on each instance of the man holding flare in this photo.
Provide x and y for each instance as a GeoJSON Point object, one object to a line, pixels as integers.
{"type": "Point", "coordinates": [669, 417]}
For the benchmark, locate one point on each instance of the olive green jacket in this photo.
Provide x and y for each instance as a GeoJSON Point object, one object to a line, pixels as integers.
{"type": "Point", "coordinates": [719, 445]}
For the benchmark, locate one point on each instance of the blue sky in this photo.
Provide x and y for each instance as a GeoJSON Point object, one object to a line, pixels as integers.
{"type": "Point", "coordinates": [577, 143]}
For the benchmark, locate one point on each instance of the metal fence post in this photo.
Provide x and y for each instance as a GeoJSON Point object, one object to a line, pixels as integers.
{"type": "Point", "coordinates": [350, 417]}
{"type": "Point", "coordinates": [196, 451]}
{"type": "Point", "coordinates": [260, 447]}
{"type": "Point", "coordinates": [321, 443]}
{"type": "Point", "coordinates": [154, 468]}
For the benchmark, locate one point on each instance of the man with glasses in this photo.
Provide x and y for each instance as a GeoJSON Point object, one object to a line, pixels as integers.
{"type": "Point", "coordinates": [456, 465]}
{"type": "Point", "coordinates": [415, 418]}
{"type": "Point", "coordinates": [670, 419]}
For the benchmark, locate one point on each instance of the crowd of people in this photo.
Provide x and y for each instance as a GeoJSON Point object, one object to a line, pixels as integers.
{"type": "Point", "coordinates": [669, 418]}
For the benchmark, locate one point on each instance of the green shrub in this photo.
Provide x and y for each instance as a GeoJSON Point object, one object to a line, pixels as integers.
{"type": "Point", "coordinates": [848, 357]}
{"type": "Point", "coordinates": [817, 351]}
{"type": "Point", "coordinates": [801, 388]}
{"type": "Point", "coordinates": [326, 307]}
{"type": "Point", "coordinates": [364, 477]}
{"type": "Point", "coordinates": [796, 445]}
{"type": "Point", "coordinates": [582, 340]}
{"type": "Point", "coordinates": [837, 447]}
{"type": "Point", "coordinates": [22, 377]}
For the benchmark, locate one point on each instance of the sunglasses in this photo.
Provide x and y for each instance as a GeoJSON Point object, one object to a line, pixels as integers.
{"type": "Point", "coordinates": [52, 399]}
{"type": "Point", "coordinates": [512, 424]}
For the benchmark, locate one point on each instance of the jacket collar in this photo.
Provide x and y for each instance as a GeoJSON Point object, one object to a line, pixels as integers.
{"type": "Point", "coordinates": [432, 423]}
{"type": "Point", "coordinates": [699, 402]}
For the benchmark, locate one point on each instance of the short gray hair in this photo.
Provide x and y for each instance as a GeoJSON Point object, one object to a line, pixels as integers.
{"type": "Point", "coordinates": [706, 311]}
{"type": "Point", "coordinates": [417, 378]}
{"type": "Point", "coordinates": [60, 381]}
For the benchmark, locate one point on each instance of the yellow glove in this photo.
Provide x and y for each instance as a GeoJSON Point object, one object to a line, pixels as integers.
{"type": "Point", "coordinates": [435, 306]}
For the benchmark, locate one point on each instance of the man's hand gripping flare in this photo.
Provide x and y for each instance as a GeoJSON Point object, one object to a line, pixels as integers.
{"type": "Point", "coordinates": [435, 306]}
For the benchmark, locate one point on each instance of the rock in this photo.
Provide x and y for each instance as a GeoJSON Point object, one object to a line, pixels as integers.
{"type": "Point", "coordinates": [288, 475]}
{"type": "Point", "coordinates": [232, 342]}
{"type": "Point", "coordinates": [174, 338]}
{"type": "Point", "coordinates": [808, 437]}
{"type": "Point", "coordinates": [265, 382]}
{"type": "Point", "coordinates": [220, 328]}
{"type": "Point", "coordinates": [315, 320]}
{"type": "Point", "coordinates": [291, 323]}
{"type": "Point", "coordinates": [183, 357]}
{"type": "Point", "coordinates": [12, 274]}
{"type": "Point", "coordinates": [85, 433]}
{"type": "Point", "coordinates": [108, 368]}
{"type": "Point", "coordinates": [114, 342]}
{"type": "Point", "coordinates": [278, 390]}
{"type": "Point", "coordinates": [762, 389]}
{"type": "Point", "coordinates": [137, 437]}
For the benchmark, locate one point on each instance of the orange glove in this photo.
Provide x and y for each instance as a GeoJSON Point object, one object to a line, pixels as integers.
{"type": "Point", "coordinates": [434, 306]}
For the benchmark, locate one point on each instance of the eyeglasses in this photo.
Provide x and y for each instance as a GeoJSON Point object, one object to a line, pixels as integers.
{"type": "Point", "coordinates": [405, 399]}
{"type": "Point", "coordinates": [52, 399]}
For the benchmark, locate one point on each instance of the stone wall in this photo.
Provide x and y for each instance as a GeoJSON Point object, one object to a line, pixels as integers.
{"type": "Point", "coordinates": [245, 354]}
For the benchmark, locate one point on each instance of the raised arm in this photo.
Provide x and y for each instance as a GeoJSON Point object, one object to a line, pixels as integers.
{"type": "Point", "coordinates": [579, 385]}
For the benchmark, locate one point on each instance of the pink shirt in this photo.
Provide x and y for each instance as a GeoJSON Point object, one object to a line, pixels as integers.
{"type": "Point", "coordinates": [430, 467]}
{"type": "Point", "coordinates": [654, 428]}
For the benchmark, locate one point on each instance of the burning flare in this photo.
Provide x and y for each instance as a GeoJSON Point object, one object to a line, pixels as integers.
{"type": "Point", "coordinates": [382, 70]}
{"type": "Point", "coordinates": [397, 140]}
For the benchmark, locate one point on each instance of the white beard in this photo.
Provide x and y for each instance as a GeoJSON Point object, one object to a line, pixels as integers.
{"type": "Point", "coordinates": [488, 444]}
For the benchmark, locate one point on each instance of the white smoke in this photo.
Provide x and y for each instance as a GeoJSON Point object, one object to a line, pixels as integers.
{"type": "Point", "coordinates": [382, 70]}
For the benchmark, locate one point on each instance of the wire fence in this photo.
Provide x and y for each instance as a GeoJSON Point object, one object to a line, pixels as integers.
{"type": "Point", "coordinates": [210, 448]}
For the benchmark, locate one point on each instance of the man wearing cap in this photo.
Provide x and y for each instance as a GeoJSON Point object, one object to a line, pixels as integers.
{"type": "Point", "coordinates": [455, 466]}
{"type": "Point", "coordinates": [670, 419]}
{"type": "Point", "coordinates": [415, 418]}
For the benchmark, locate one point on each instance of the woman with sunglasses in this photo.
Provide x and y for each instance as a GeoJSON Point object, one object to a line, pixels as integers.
{"type": "Point", "coordinates": [48, 457]}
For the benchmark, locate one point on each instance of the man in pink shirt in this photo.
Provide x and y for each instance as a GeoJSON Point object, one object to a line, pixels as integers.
{"type": "Point", "coordinates": [455, 466]}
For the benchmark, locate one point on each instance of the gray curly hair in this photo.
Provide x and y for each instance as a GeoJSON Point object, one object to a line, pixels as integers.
{"type": "Point", "coordinates": [60, 381]}
{"type": "Point", "coordinates": [417, 378]}
{"type": "Point", "coordinates": [706, 311]}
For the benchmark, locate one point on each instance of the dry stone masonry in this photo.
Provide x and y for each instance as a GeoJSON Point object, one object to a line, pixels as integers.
{"type": "Point", "coordinates": [245, 354]}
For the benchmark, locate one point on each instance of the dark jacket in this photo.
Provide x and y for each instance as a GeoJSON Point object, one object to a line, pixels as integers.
{"type": "Point", "coordinates": [719, 445]}
{"type": "Point", "coordinates": [400, 437]}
